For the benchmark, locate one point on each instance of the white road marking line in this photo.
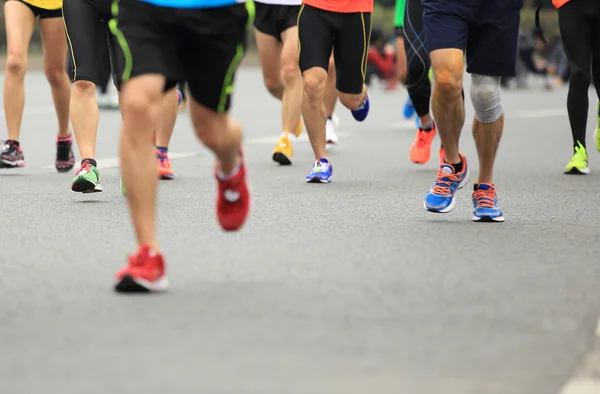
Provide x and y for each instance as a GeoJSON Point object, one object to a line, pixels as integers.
{"type": "Point", "coordinates": [35, 111]}
{"type": "Point", "coordinates": [587, 378]}
{"type": "Point", "coordinates": [113, 162]}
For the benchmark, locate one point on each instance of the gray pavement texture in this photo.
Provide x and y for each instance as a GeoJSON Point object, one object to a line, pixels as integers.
{"type": "Point", "coordinates": [347, 288]}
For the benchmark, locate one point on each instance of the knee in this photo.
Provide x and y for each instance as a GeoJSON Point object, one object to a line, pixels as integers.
{"type": "Point", "coordinates": [210, 129]}
{"type": "Point", "coordinates": [16, 65]}
{"type": "Point", "coordinates": [274, 86]}
{"type": "Point", "coordinates": [448, 82]}
{"type": "Point", "coordinates": [136, 105]}
{"type": "Point", "coordinates": [581, 77]}
{"type": "Point", "coordinates": [485, 96]}
{"type": "Point", "coordinates": [84, 87]}
{"type": "Point", "coordinates": [314, 83]}
{"type": "Point", "coordinates": [290, 73]}
{"type": "Point", "coordinates": [56, 76]}
{"type": "Point", "coordinates": [350, 101]}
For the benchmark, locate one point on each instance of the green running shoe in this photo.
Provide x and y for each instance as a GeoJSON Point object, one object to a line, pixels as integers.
{"type": "Point", "coordinates": [597, 132]}
{"type": "Point", "coordinates": [87, 179]}
{"type": "Point", "coordinates": [579, 162]}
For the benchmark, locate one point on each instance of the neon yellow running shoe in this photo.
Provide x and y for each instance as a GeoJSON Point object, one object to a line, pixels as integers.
{"type": "Point", "coordinates": [597, 132]}
{"type": "Point", "coordinates": [579, 162]}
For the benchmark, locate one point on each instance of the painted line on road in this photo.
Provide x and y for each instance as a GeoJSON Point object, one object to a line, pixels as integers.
{"type": "Point", "coordinates": [114, 162]}
{"type": "Point", "coordinates": [586, 379]}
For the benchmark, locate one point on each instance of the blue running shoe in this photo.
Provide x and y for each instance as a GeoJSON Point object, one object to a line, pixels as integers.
{"type": "Point", "coordinates": [409, 109]}
{"type": "Point", "coordinates": [362, 112]}
{"type": "Point", "coordinates": [440, 197]}
{"type": "Point", "coordinates": [321, 172]}
{"type": "Point", "coordinates": [485, 202]}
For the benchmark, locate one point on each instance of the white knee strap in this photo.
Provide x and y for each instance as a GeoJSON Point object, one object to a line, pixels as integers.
{"type": "Point", "coordinates": [485, 96]}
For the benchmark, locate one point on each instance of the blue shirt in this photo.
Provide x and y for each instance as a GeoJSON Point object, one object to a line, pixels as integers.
{"type": "Point", "coordinates": [193, 3]}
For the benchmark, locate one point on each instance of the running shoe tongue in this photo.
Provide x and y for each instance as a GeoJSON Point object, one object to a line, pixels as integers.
{"type": "Point", "coordinates": [447, 169]}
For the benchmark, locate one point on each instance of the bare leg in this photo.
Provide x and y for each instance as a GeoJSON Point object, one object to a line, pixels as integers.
{"type": "Point", "coordinates": [54, 43]}
{"type": "Point", "coordinates": [19, 21]}
{"type": "Point", "coordinates": [313, 109]}
{"type": "Point", "coordinates": [447, 104]}
{"type": "Point", "coordinates": [487, 138]}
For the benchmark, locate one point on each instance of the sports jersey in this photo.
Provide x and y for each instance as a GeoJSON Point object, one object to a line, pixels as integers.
{"type": "Point", "coordinates": [559, 3]}
{"type": "Point", "coordinates": [341, 6]}
{"type": "Point", "coordinates": [400, 8]}
{"type": "Point", "coordinates": [280, 2]}
{"type": "Point", "coordinates": [45, 4]}
{"type": "Point", "coordinates": [193, 3]}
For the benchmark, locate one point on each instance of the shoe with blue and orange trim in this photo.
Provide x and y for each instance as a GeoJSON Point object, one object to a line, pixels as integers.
{"type": "Point", "coordinates": [362, 112]}
{"type": "Point", "coordinates": [165, 171]}
{"type": "Point", "coordinates": [485, 202]}
{"type": "Point", "coordinates": [440, 197]}
{"type": "Point", "coordinates": [321, 172]}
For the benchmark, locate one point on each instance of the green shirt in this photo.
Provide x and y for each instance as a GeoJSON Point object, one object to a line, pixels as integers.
{"type": "Point", "coordinates": [400, 8]}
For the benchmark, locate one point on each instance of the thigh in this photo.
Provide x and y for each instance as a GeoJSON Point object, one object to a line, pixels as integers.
{"type": "Point", "coordinates": [218, 34]}
{"type": "Point", "coordinates": [315, 38]}
{"type": "Point", "coordinates": [352, 36]}
{"type": "Point", "coordinates": [85, 35]}
{"type": "Point", "coordinates": [493, 39]}
{"type": "Point", "coordinates": [54, 43]}
{"type": "Point", "coordinates": [147, 36]}
{"type": "Point", "coordinates": [19, 24]}
{"type": "Point", "coordinates": [576, 32]}
{"type": "Point", "coordinates": [446, 23]}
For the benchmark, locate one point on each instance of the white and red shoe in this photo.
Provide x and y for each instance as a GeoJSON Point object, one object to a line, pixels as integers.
{"type": "Point", "coordinates": [144, 273]}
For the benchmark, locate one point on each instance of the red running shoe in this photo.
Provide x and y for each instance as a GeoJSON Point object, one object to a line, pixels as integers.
{"type": "Point", "coordinates": [144, 273]}
{"type": "Point", "coordinates": [233, 200]}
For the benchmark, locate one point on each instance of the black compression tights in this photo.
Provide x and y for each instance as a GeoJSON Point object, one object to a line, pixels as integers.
{"type": "Point", "coordinates": [417, 58]}
{"type": "Point", "coordinates": [104, 70]}
{"type": "Point", "coordinates": [580, 30]}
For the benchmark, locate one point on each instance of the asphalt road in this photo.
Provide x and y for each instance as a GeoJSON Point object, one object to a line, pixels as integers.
{"type": "Point", "coordinates": [347, 288]}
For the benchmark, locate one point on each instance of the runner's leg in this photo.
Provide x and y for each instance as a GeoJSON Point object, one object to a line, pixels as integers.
{"type": "Point", "coordinates": [164, 132]}
{"type": "Point", "coordinates": [19, 21]}
{"type": "Point", "coordinates": [331, 97]}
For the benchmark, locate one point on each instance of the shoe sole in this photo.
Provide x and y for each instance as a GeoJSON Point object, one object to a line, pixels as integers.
{"type": "Point", "coordinates": [12, 164]}
{"type": "Point", "coordinates": [128, 284]}
{"type": "Point", "coordinates": [85, 186]}
{"type": "Point", "coordinates": [318, 180]}
{"type": "Point", "coordinates": [576, 171]}
{"type": "Point", "coordinates": [488, 219]}
{"type": "Point", "coordinates": [167, 177]}
{"type": "Point", "coordinates": [453, 202]}
{"type": "Point", "coordinates": [282, 159]}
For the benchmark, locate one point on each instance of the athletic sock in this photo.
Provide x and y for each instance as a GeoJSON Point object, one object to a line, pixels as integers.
{"type": "Point", "coordinates": [331, 117]}
{"type": "Point", "coordinates": [162, 149]}
{"type": "Point", "coordinates": [91, 161]}
{"type": "Point", "coordinates": [69, 138]}
{"type": "Point", "coordinates": [16, 143]}
{"type": "Point", "coordinates": [233, 173]}
{"type": "Point", "coordinates": [457, 167]}
{"type": "Point", "coordinates": [427, 126]}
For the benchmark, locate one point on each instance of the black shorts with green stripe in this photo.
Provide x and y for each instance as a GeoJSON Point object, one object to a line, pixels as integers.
{"type": "Point", "coordinates": [201, 46]}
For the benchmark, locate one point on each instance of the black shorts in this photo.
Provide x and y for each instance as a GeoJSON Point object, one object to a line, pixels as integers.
{"type": "Point", "coordinates": [348, 34]}
{"type": "Point", "coordinates": [274, 19]}
{"type": "Point", "coordinates": [487, 30]}
{"type": "Point", "coordinates": [201, 46]}
{"type": "Point", "coordinates": [88, 35]}
{"type": "Point", "coordinates": [42, 13]}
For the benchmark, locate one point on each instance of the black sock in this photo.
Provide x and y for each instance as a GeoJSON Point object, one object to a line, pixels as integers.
{"type": "Point", "coordinates": [91, 161]}
{"type": "Point", "coordinates": [330, 118]}
{"type": "Point", "coordinates": [457, 167]}
{"type": "Point", "coordinates": [16, 143]}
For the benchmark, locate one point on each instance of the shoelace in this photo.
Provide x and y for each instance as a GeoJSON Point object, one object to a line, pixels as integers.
{"type": "Point", "coordinates": [85, 166]}
{"type": "Point", "coordinates": [485, 198]}
{"type": "Point", "coordinates": [443, 183]}
{"type": "Point", "coordinates": [422, 140]}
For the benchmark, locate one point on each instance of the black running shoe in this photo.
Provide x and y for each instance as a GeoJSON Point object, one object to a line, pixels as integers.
{"type": "Point", "coordinates": [65, 160]}
{"type": "Point", "coordinates": [11, 155]}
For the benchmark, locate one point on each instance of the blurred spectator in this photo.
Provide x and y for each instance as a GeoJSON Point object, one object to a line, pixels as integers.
{"type": "Point", "coordinates": [554, 60]}
{"type": "Point", "coordinates": [381, 60]}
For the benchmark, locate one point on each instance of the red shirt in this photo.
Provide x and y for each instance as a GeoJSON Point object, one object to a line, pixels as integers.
{"type": "Point", "coordinates": [559, 3]}
{"type": "Point", "coordinates": [342, 6]}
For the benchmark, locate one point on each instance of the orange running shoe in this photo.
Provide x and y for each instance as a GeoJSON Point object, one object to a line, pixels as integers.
{"type": "Point", "coordinates": [164, 165]}
{"type": "Point", "coordinates": [420, 150]}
